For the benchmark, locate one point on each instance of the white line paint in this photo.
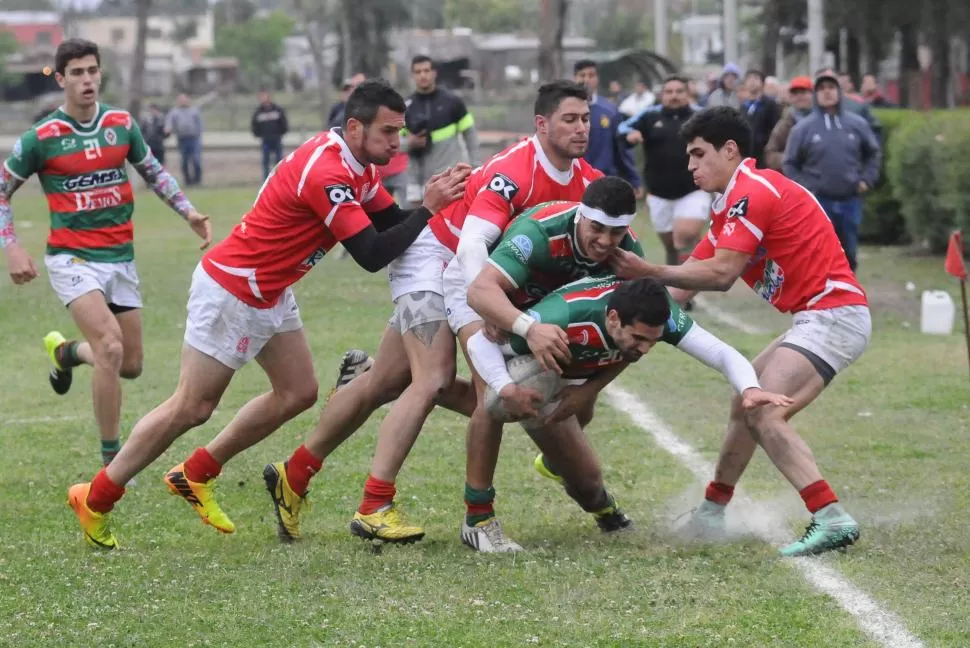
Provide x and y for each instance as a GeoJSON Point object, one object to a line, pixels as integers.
{"type": "Point", "coordinates": [727, 318]}
{"type": "Point", "coordinates": [880, 624]}
{"type": "Point", "coordinates": [40, 419]}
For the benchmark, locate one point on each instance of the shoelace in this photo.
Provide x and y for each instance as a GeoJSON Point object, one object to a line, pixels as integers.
{"type": "Point", "coordinates": [809, 530]}
{"type": "Point", "coordinates": [493, 531]}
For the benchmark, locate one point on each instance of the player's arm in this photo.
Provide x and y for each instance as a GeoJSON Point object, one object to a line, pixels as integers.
{"type": "Point", "coordinates": [23, 162]}
{"type": "Point", "coordinates": [488, 215]}
{"type": "Point", "coordinates": [704, 346]}
{"type": "Point", "coordinates": [489, 362]}
{"type": "Point", "coordinates": [164, 185]}
{"type": "Point", "coordinates": [504, 271]}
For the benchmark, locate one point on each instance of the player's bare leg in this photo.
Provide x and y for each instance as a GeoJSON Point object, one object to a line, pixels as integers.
{"type": "Point", "coordinates": [103, 333]}
{"type": "Point", "coordinates": [288, 364]}
{"type": "Point", "coordinates": [687, 232]}
{"type": "Point", "coordinates": [568, 452]}
{"type": "Point", "coordinates": [671, 254]}
{"type": "Point", "coordinates": [430, 349]}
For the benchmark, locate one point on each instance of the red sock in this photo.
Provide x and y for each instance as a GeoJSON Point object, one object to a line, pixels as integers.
{"type": "Point", "coordinates": [377, 493]}
{"type": "Point", "coordinates": [104, 493]}
{"type": "Point", "coordinates": [818, 495]}
{"type": "Point", "coordinates": [300, 468]}
{"type": "Point", "coordinates": [719, 493]}
{"type": "Point", "coordinates": [201, 466]}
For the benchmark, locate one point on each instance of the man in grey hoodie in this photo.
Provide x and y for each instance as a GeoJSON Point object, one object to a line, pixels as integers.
{"type": "Point", "coordinates": [185, 121]}
{"type": "Point", "coordinates": [835, 154]}
{"type": "Point", "coordinates": [726, 93]}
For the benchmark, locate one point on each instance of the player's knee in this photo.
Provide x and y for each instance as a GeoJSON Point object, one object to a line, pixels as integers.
{"type": "Point", "coordinates": [131, 369]}
{"type": "Point", "coordinates": [193, 413]}
{"type": "Point", "coordinates": [763, 420]}
{"type": "Point", "coordinates": [301, 399]}
{"type": "Point", "coordinates": [585, 415]}
{"type": "Point", "coordinates": [109, 350]}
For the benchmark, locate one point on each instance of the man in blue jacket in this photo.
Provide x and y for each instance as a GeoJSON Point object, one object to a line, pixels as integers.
{"type": "Point", "coordinates": [605, 153]}
{"type": "Point", "coordinates": [835, 154]}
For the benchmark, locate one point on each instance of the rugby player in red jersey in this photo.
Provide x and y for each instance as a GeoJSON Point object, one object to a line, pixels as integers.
{"type": "Point", "coordinates": [241, 306]}
{"type": "Point", "coordinates": [429, 285]}
{"type": "Point", "coordinates": [772, 234]}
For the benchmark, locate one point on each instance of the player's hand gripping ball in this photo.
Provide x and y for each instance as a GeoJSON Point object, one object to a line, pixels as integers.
{"type": "Point", "coordinates": [525, 371]}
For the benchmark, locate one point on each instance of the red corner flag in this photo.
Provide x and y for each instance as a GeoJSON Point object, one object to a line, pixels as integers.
{"type": "Point", "coordinates": [954, 257]}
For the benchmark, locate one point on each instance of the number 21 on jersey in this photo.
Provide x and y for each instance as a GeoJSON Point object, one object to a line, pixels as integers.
{"type": "Point", "coordinates": [92, 149]}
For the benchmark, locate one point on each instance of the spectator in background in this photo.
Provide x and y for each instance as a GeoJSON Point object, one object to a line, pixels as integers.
{"type": "Point", "coordinates": [871, 93]}
{"type": "Point", "coordinates": [772, 89]}
{"type": "Point", "coordinates": [435, 123]}
{"type": "Point", "coordinates": [762, 113]}
{"type": "Point", "coordinates": [678, 209]}
{"type": "Point", "coordinates": [848, 86]}
{"type": "Point", "coordinates": [854, 106]}
{"type": "Point", "coordinates": [835, 154]}
{"type": "Point", "coordinates": [153, 130]}
{"type": "Point", "coordinates": [605, 152]}
{"type": "Point", "coordinates": [269, 125]}
{"type": "Point", "coordinates": [801, 98]}
{"type": "Point", "coordinates": [692, 95]}
{"type": "Point", "coordinates": [336, 117]}
{"type": "Point", "coordinates": [638, 101]}
{"type": "Point", "coordinates": [617, 95]}
{"type": "Point", "coordinates": [185, 122]}
{"type": "Point", "coordinates": [726, 93]}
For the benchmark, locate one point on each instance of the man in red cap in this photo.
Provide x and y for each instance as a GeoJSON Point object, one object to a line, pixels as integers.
{"type": "Point", "coordinates": [800, 99]}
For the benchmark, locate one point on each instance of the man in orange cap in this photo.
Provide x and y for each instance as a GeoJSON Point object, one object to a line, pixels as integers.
{"type": "Point", "coordinates": [800, 98]}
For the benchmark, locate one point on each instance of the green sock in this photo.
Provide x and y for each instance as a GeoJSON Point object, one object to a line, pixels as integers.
{"type": "Point", "coordinates": [479, 504]}
{"type": "Point", "coordinates": [67, 354]}
{"type": "Point", "coordinates": [109, 449]}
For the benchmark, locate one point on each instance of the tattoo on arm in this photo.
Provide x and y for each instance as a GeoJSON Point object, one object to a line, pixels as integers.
{"type": "Point", "coordinates": [164, 185]}
{"type": "Point", "coordinates": [9, 183]}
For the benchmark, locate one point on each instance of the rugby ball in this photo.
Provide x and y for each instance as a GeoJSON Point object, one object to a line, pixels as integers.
{"type": "Point", "coordinates": [526, 371]}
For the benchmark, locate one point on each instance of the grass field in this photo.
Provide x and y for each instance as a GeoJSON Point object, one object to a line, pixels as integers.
{"type": "Point", "coordinates": [890, 435]}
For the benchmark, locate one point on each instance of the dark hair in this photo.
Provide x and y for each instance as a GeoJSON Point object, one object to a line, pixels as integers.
{"type": "Point", "coordinates": [678, 78]}
{"type": "Point", "coordinates": [582, 64]}
{"type": "Point", "coordinates": [422, 58]}
{"type": "Point", "coordinates": [552, 94]}
{"type": "Point", "coordinates": [718, 126]}
{"type": "Point", "coordinates": [642, 300]}
{"type": "Point", "coordinates": [73, 49]}
{"type": "Point", "coordinates": [367, 98]}
{"type": "Point", "coordinates": [757, 73]}
{"type": "Point", "coordinates": [612, 195]}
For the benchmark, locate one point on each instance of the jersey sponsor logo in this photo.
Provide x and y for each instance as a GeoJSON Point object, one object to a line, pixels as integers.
{"type": "Point", "coordinates": [312, 260]}
{"type": "Point", "coordinates": [534, 314]}
{"type": "Point", "coordinates": [339, 193]}
{"type": "Point", "coordinates": [111, 137]}
{"type": "Point", "coordinates": [523, 244]}
{"type": "Point", "coordinates": [739, 209]}
{"type": "Point", "coordinates": [769, 286]}
{"type": "Point", "coordinates": [94, 180]}
{"type": "Point", "coordinates": [68, 143]}
{"type": "Point", "coordinates": [18, 148]}
{"type": "Point", "coordinates": [503, 186]}
{"type": "Point", "coordinates": [98, 199]}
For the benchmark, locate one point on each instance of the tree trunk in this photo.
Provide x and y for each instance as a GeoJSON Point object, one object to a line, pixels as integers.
{"type": "Point", "coordinates": [910, 88]}
{"type": "Point", "coordinates": [136, 84]}
{"type": "Point", "coordinates": [316, 51]}
{"type": "Point", "coordinates": [769, 46]}
{"type": "Point", "coordinates": [553, 16]}
{"type": "Point", "coordinates": [940, 86]}
{"type": "Point", "coordinates": [853, 63]}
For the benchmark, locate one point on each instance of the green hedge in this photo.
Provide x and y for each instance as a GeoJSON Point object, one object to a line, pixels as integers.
{"type": "Point", "coordinates": [927, 177]}
{"type": "Point", "coordinates": [883, 220]}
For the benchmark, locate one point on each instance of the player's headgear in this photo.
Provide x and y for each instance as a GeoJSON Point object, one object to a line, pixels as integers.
{"type": "Point", "coordinates": [718, 126]}
{"type": "Point", "coordinates": [642, 300]}
{"type": "Point", "coordinates": [609, 201]}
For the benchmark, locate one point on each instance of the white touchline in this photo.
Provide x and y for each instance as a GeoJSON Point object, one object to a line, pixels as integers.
{"type": "Point", "coordinates": [39, 419]}
{"type": "Point", "coordinates": [727, 318]}
{"type": "Point", "coordinates": [880, 624]}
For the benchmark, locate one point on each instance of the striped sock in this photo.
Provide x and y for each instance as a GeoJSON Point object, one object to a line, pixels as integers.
{"type": "Point", "coordinates": [479, 504]}
{"type": "Point", "coordinates": [67, 354]}
{"type": "Point", "coordinates": [109, 448]}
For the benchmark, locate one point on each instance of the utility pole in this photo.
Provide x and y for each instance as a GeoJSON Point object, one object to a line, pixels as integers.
{"type": "Point", "coordinates": [660, 27]}
{"type": "Point", "coordinates": [731, 31]}
{"type": "Point", "coordinates": [816, 35]}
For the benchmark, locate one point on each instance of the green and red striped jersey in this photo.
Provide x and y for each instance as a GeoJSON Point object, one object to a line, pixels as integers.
{"type": "Point", "coordinates": [82, 171]}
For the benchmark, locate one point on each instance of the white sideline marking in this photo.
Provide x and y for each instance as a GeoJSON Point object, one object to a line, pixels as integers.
{"type": "Point", "coordinates": [40, 419]}
{"type": "Point", "coordinates": [883, 626]}
{"type": "Point", "coordinates": [727, 318]}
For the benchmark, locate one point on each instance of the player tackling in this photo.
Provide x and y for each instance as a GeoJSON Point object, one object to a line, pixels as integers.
{"type": "Point", "coordinates": [771, 232]}
{"type": "Point", "coordinates": [79, 153]}
{"type": "Point", "coordinates": [241, 306]}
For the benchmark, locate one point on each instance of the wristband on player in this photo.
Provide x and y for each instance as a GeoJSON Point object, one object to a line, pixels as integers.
{"type": "Point", "coordinates": [522, 325]}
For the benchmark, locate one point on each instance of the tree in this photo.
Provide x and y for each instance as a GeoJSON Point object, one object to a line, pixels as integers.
{"type": "Point", "coordinates": [364, 33]}
{"type": "Point", "coordinates": [552, 26]}
{"type": "Point", "coordinates": [622, 30]}
{"type": "Point", "coordinates": [310, 16]}
{"type": "Point", "coordinates": [257, 44]}
{"type": "Point", "coordinates": [491, 15]}
{"type": "Point", "coordinates": [136, 87]}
